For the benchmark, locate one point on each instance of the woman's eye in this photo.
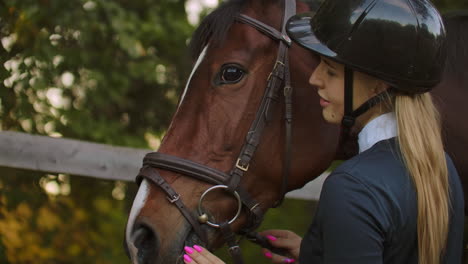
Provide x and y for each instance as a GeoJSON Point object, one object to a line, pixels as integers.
{"type": "Point", "coordinates": [331, 73]}
{"type": "Point", "coordinates": [230, 74]}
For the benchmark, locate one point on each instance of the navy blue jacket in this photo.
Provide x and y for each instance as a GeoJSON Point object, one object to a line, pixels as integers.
{"type": "Point", "coordinates": [367, 213]}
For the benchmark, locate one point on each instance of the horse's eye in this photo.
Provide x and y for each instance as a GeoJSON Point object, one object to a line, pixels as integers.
{"type": "Point", "coordinates": [230, 74]}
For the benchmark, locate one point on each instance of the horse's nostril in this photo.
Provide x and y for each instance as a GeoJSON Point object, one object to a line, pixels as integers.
{"type": "Point", "coordinates": [145, 240]}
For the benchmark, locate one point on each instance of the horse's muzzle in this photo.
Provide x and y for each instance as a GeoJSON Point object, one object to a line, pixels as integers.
{"type": "Point", "coordinates": [143, 244]}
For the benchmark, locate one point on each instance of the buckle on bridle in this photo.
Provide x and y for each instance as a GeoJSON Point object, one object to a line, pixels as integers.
{"type": "Point", "coordinates": [174, 198]}
{"type": "Point", "coordinates": [287, 90]}
{"type": "Point", "coordinates": [242, 167]}
{"type": "Point", "coordinates": [286, 39]}
{"type": "Point", "coordinates": [275, 68]}
{"type": "Point", "coordinates": [278, 63]}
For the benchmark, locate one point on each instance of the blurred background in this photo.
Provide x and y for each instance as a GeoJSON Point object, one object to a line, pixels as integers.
{"type": "Point", "coordinates": [105, 71]}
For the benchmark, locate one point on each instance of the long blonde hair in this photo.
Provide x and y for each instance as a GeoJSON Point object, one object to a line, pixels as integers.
{"type": "Point", "coordinates": [420, 141]}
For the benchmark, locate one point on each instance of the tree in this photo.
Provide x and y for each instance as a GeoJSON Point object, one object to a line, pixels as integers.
{"type": "Point", "coordinates": [106, 71]}
{"type": "Point", "coordinates": [102, 71]}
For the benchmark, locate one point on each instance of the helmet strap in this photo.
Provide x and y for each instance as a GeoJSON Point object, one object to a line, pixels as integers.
{"type": "Point", "coordinates": [348, 119]}
{"type": "Point", "coordinates": [373, 101]}
{"type": "Point", "coordinates": [350, 115]}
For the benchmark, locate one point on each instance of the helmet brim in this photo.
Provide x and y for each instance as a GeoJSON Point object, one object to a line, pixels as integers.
{"type": "Point", "coordinates": [300, 30]}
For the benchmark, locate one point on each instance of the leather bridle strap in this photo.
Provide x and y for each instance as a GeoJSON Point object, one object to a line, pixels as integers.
{"type": "Point", "coordinates": [280, 75]}
{"type": "Point", "coordinates": [290, 10]}
{"type": "Point", "coordinates": [173, 197]}
{"type": "Point", "coordinates": [186, 167]}
{"type": "Point", "coordinates": [233, 246]}
{"type": "Point", "coordinates": [264, 28]}
{"type": "Point", "coordinates": [288, 135]}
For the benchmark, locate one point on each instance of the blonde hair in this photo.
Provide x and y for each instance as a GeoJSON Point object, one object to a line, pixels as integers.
{"type": "Point", "coordinates": [420, 142]}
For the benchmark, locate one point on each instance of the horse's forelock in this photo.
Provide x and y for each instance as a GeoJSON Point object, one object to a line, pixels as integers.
{"type": "Point", "coordinates": [215, 26]}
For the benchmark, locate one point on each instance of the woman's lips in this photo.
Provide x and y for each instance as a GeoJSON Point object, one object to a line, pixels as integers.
{"type": "Point", "coordinates": [324, 102]}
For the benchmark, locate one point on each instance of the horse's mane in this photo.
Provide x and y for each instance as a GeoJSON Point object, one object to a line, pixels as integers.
{"type": "Point", "coordinates": [456, 24]}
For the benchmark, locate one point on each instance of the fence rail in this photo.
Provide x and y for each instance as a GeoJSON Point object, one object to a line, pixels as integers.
{"type": "Point", "coordinates": [41, 153]}
{"type": "Point", "coordinates": [59, 155]}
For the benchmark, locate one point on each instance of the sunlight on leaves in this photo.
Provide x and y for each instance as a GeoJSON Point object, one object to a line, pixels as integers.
{"type": "Point", "coordinates": [153, 141]}
{"type": "Point", "coordinates": [195, 7]}
{"type": "Point", "coordinates": [119, 190]}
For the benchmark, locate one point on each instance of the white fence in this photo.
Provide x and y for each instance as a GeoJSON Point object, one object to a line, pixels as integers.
{"type": "Point", "coordinates": [59, 155]}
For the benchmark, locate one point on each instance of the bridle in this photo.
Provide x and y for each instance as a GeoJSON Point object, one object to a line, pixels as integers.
{"type": "Point", "coordinates": [278, 78]}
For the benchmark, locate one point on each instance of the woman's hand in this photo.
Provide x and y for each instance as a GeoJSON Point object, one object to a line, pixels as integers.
{"type": "Point", "coordinates": [199, 255]}
{"type": "Point", "coordinates": [278, 238]}
{"type": "Point", "coordinates": [283, 239]}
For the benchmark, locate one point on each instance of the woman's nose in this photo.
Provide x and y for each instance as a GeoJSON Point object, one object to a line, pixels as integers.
{"type": "Point", "coordinates": [314, 79]}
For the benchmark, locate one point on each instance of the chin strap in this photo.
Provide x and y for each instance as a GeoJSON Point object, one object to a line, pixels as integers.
{"type": "Point", "coordinates": [348, 119]}
{"type": "Point", "coordinates": [350, 115]}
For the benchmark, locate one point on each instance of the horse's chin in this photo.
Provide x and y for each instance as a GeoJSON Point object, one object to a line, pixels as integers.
{"type": "Point", "coordinates": [175, 252]}
{"type": "Point", "coordinates": [180, 259]}
{"type": "Point", "coordinates": [191, 238]}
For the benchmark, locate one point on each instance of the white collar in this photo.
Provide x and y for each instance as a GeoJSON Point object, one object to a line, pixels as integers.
{"type": "Point", "coordinates": [378, 129]}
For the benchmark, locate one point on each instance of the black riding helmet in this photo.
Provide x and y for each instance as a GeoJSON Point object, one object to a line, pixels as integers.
{"type": "Point", "coordinates": [401, 42]}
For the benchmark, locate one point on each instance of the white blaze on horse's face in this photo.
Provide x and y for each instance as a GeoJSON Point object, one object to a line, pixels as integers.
{"type": "Point", "coordinates": [143, 191]}
{"type": "Point", "coordinates": [199, 60]}
{"type": "Point", "coordinates": [140, 200]}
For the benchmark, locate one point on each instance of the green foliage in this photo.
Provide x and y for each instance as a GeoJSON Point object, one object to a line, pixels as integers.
{"type": "Point", "coordinates": [85, 225]}
{"type": "Point", "coordinates": [102, 71]}
{"type": "Point", "coordinates": [106, 71]}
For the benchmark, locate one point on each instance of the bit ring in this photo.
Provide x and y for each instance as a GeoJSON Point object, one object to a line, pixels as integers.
{"type": "Point", "coordinates": [235, 194]}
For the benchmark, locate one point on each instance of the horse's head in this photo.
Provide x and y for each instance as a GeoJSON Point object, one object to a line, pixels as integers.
{"type": "Point", "coordinates": [225, 102]}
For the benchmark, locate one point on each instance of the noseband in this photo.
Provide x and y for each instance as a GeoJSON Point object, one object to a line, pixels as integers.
{"type": "Point", "coordinates": [278, 78]}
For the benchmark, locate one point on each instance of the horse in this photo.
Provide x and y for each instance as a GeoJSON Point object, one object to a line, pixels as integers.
{"type": "Point", "coordinates": [214, 115]}
{"type": "Point", "coordinates": [449, 95]}
{"type": "Point", "coordinates": [218, 112]}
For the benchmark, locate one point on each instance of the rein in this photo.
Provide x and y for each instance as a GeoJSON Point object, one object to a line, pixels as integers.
{"type": "Point", "coordinates": [278, 78]}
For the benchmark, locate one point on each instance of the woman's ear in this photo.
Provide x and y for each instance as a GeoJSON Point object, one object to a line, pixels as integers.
{"type": "Point", "coordinates": [380, 86]}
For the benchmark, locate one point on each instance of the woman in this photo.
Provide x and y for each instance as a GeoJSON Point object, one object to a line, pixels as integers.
{"type": "Point", "coordinates": [400, 199]}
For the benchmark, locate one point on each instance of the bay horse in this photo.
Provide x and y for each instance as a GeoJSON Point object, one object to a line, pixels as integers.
{"type": "Point", "coordinates": [451, 93]}
{"type": "Point", "coordinates": [224, 99]}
